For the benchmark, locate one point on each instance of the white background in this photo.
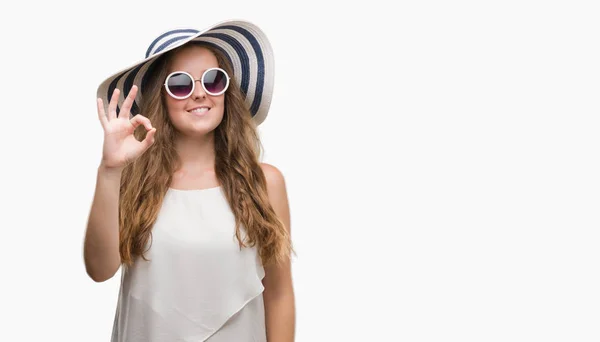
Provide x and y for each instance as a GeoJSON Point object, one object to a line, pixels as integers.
{"type": "Point", "coordinates": [441, 160]}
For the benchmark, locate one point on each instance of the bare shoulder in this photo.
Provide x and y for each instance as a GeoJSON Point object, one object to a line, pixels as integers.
{"type": "Point", "coordinates": [274, 176]}
{"type": "Point", "coordinates": [276, 189]}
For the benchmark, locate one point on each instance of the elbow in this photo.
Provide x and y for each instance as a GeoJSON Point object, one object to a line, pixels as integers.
{"type": "Point", "coordinates": [100, 275]}
{"type": "Point", "coordinates": [98, 278]}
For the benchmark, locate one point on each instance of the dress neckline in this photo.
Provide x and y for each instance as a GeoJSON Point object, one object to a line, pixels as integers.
{"type": "Point", "coordinates": [194, 190]}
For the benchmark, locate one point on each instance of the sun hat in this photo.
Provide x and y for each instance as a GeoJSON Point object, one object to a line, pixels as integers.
{"type": "Point", "coordinates": [243, 43]}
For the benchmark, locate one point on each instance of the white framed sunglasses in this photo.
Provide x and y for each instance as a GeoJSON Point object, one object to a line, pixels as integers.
{"type": "Point", "coordinates": [181, 85]}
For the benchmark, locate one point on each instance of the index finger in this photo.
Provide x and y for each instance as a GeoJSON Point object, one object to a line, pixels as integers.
{"type": "Point", "coordinates": [125, 109]}
{"type": "Point", "coordinates": [112, 105]}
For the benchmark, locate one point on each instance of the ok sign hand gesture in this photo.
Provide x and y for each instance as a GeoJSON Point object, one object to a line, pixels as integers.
{"type": "Point", "coordinates": [120, 146]}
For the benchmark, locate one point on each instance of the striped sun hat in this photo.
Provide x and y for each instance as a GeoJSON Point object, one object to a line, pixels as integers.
{"type": "Point", "coordinates": [245, 45]}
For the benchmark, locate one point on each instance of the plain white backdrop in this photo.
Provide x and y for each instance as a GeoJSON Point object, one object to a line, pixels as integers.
{"type": "Point", "coordinates": [441, 160]}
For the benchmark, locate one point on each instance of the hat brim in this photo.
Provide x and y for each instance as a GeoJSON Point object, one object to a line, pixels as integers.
{"type": "Point", "coordinates": [243, 43]}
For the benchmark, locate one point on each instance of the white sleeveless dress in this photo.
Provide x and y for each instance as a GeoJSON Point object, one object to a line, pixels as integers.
{"type": "Point", "coordinates": [197, 285]}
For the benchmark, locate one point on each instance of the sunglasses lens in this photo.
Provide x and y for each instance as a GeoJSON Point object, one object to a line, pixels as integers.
{"type": "Point", "coordinates": [215, 81]}
{"type": "Point", "coordinates": [180, 85]}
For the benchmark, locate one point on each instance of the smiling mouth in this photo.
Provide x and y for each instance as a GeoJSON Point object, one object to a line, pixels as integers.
{"type": "Point", "coordinates": [201, 110]}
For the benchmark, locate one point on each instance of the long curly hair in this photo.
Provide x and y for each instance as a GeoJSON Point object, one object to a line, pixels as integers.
{"type": "Point", "coordinates": [145, 181]}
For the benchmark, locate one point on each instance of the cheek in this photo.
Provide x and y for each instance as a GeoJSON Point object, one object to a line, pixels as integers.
{"type": "Point", "coordinates": [175, 108]}
{"type": "Point", "coordinates": [221, 106]}
{"type": "Point", "coordinates": [220, 102]}
{"type": "Point", "coordinates": [174, 105]}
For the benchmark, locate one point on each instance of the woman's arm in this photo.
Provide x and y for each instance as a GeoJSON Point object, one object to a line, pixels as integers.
{"type": "Point", "coordinates": [101, 244]}
{"type": "Point", "coordinates": [278, 296]}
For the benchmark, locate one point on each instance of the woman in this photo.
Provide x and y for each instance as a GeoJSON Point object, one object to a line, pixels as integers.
{"type": "Point", "coordinates": [200, 226]}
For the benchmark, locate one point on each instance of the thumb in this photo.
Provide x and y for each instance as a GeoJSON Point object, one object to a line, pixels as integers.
{"type": "Point", "coordinates": [149, 139]}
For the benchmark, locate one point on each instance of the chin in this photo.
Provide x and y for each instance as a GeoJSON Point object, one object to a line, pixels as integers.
{"type": "Point", "coordinates": [198, 123]}
{"type": "Point", "coordinates": [201, 128]}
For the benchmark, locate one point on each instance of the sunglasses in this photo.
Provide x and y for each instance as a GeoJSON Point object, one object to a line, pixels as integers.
{"type": "Point", "coordinates": [180, 84]}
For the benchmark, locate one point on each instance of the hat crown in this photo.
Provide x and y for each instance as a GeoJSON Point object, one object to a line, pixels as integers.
{"type": "Point", "coordinates": [168, 40]}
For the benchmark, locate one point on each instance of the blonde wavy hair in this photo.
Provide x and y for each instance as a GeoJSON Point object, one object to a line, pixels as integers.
{"type": "Point", "coordinates": [145, 181]}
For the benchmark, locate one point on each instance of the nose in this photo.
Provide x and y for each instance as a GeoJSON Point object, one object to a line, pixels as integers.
{"type": "Point", "coordinates": [198, 90]}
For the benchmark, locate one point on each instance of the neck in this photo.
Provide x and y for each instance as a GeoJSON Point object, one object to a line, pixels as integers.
{"type": "Point", "coordinates": [196, 153]}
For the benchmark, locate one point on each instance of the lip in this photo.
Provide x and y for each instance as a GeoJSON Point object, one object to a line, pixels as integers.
{"type": "Point", "coordinates": [199, 114]}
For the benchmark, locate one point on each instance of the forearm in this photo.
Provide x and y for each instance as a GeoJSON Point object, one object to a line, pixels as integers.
{"type": "Point", "coordinates": [101, 244]}
{"type": "Point", "coordinates": [280, 315]}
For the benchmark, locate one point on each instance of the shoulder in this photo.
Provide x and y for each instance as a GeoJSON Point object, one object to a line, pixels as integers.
{"type": "Point", "coordinates": [276, 187]}
{"type": "Point", "coordinates": [274, 176]}
{"type": "Point", "coordinates": [277, 193]}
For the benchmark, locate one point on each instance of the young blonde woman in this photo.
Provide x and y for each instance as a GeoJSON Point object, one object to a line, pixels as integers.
{"type": "Point", "coordinates": [199, 227]}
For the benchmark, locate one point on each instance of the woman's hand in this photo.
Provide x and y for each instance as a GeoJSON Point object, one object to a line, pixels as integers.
{"type": "Point", "coordinates": [120, 146]}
